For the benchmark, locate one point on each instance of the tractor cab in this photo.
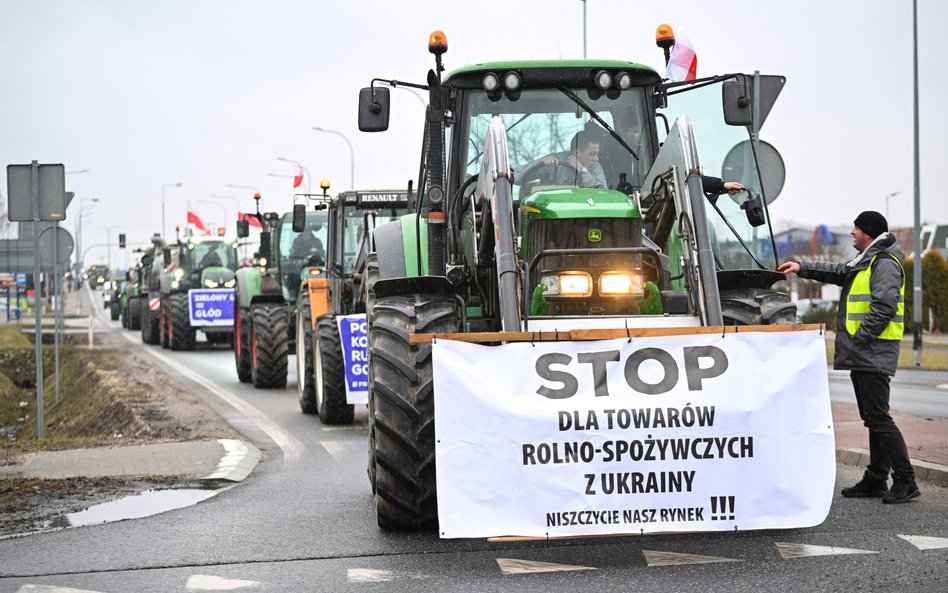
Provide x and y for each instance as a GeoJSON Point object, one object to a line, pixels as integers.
{"type": "Point", "coordinates": [296, 251]}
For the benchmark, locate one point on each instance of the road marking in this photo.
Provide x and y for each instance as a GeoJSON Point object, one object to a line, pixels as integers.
{"type": "Point", "coordinates": [343, 450]}
{"type": "Point", "coordinates": [206, 582]}
{"type": "Point", "coordinates": [51, 589]}
{"type": "Point", "coordinates": [657, 558]}
{"type": "Point", "coordinates": [292, 448]}
{"type": "Point", "coordinates": [942, 386]}
{"type": "Point", "coordinates": [372, 575]}
{"type": "Point", "coordinates": [925, 542]}
{"type": "Point", "coordinates": [238, 461]}
{"type": "Point", "coordinates": [518, 566]}
{"type": "Point", "coordinates": [789, 550]}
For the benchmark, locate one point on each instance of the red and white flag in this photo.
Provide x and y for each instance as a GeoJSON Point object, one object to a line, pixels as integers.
{"type": "Point", "coordinates": [194, 219]}
{"type": "Point", "coordinates": [298, 178]}
{"type": "Point", "coordinates": [683, 63]}
{"type": "Point", "coordinates": [250, 218]}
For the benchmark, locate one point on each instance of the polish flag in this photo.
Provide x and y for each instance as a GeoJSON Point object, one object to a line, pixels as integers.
{"type": "Point", "coordinates": [250, 218]}
{"type": "Point", "coordinates": [195, 220]}
{"type": "Point", "coordinates": [683, 63]}
{"type": "Point", "coordinates": [298, 178]}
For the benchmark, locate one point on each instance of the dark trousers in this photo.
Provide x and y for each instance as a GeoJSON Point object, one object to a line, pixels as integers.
{"type": "Point", "coordinates": [887, 449]}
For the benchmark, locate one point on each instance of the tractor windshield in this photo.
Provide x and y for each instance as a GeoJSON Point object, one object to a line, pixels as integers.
{"type": "Point", "coordinates": [353, 229]}
{"type": "Point", "coordinates": [214, 254]}
{"type": "Point", "coordinates": [725, 151]}
{"type": "Point", "coordinates": [542, 124]}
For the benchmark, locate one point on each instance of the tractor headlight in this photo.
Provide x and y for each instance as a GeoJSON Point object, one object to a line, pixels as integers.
{"type": "Point", "coordinates": [175, 284]}
{"type": "Point", "coordinates": [603, 79]}
{"type": "Point", "coordinates": [178, 274]}
{"type": "Point", "coordinates": [619, 284]}
{"type": "Point", "coordinates": [490, 82]}
{"type": "Point", "coordinates": [231, 283]}
{"type": "Point", "coordinates": [211, 283]}
{"type": "Point", "coordinates": [568, 284]}
{"type": "Point", "coordinates": [262, 262]}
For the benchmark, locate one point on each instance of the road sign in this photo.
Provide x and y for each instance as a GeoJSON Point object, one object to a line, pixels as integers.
{"type": "Point", "coordinates": [211, 307]}
{"type": "Point", "coordinates": [47, 245]}
{"type": "Point", "coordinates": [51, 190]}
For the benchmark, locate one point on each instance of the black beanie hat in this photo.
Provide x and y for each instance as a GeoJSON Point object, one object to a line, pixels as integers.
{"type": "Point", "coordinates": [872, 223]}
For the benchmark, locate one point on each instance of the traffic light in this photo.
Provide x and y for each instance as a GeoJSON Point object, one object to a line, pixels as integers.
{"type": "Point", "coordinates": [121, 240]}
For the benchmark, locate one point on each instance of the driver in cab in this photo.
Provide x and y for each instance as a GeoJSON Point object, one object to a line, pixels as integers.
{"type": "Point", "coordinates": [580, 165]}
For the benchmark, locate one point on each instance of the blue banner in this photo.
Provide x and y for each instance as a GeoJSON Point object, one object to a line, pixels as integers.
{"type": "Point", "coordinates": [352, 335]}
{"type": "Point", "coordinates": [211, 307]}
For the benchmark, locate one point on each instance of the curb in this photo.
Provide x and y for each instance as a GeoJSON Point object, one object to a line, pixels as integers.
{"type": "Point", "coordinates": [924, 471]}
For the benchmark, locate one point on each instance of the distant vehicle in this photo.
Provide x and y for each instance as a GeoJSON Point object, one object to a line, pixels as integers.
{"type": "Point", "coordinates": [97, 275]}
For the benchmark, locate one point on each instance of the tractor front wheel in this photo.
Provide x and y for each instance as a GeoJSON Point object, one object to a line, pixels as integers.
{"type": "Point", "coordinates": [401, 401]}
{"type": "Point", "coordinates": [180, 332]}
{"type": "Point", "coordinates": [305, 375]}
{"type": "Point", "coordinates": [242, 357]}
{"type": "Point", "coordinates": [330, 373]}
{"type": "Point", "coordinates": [269, 345]}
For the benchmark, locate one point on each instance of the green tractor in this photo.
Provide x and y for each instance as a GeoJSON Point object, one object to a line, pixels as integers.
{"type": "Point", "coordinates": [336, 291]}
{"type": "Point", "coordinates": [266, 293]}
{"type": "Point", "coordinates": [519, 229]}
{"type": "Point", "coordinates": [195, 269]}
{"type": "Point", "coordinates": [151, 268]}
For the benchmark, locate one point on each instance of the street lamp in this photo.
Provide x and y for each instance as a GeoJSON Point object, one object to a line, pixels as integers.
{"type": "Point", "coordinates": [108, 244]}
{"type": "Point", "coordinates": [223, 212]}
{"type": "Point", "coordinates": [82, 211]}
{"type": "Point", "coordinates": [351, 153]}
{"type": "Point", "coordinates": [301, 166]}
{"type": "Point", "coordinates": [892, 195]}
{"type": "Point", "coordinates": [163, 229]}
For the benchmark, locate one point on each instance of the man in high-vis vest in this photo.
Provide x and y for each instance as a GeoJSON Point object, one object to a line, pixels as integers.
{"type": "Point", "coordinates": [869, 327]}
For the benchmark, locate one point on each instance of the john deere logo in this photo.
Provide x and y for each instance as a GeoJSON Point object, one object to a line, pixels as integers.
{"type": "Point", "coordinates": [594, 235]}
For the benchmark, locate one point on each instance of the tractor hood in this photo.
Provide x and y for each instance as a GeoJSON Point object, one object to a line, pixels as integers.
{"type": "Point", "coordinates": [575, 202]}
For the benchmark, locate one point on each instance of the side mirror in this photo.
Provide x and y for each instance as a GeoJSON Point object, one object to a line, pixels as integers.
{"type": "Point", "coordinates": [243, 229]}
{"type": "Point", "coordinates": [374, 105]}
{"type": "Point", "coordinates": [299, 218]}
{"type": "Point", "coordinates": [739, 166]}
{"type": "Point", "coordinates": [738, 98]}
{"type": "Point", "coordinates": [265, 251]}
{"type": "Point", "coordinates": [755, 211]}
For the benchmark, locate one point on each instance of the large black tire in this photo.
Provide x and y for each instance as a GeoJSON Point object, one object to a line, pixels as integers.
{"type": "Point", "coordinates": [330, 373]}
{"type": "Point", "coordinates": [134, 313]}
{"type": "Point", "coordinates": [269, 345]}
{"type": "Point", "coordinates": [149, 325]}
{"type": "Point", "coordinates": [757, 306]}
{"type": "Point", "coordinates": [123, 316]}
{"type": "Point", "coordinates": [180, 332]}
{"type": "Point", "coordinates": [242, 357]}
{"type": "Point", "coordinates": [369, 278]}
{"type": "Point", "coordinates": [402, 404]}
{"type": "Point", "coordinates": [164, 323]}
{"type": "Point", "coordinates": [115, 309]}
{"type": "Point", "coordinates": [305, 375]}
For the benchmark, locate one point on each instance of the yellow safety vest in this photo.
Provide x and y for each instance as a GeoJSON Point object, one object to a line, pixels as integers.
{"type": "Point", "coordinates": [857, 304]}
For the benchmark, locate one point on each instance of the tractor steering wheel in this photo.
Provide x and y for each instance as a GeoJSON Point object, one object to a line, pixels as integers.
{"type": "Point", "coordinates": [539, 173]}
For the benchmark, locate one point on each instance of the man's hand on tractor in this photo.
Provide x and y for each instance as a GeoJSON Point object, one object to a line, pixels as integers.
{"type": "Point", "coordinates": [732, 187]}
{"type": "Point", "coordinates": [789, 267]}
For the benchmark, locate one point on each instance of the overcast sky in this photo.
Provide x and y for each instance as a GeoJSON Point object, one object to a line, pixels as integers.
{"type": "Point", "coordinates": [210, 93]}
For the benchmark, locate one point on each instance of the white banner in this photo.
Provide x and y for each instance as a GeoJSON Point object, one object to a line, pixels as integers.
{"type": "Point", "coordinates": [679, 433]}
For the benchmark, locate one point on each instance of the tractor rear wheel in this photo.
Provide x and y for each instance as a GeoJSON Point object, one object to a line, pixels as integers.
{"type": "Point", "coordinates": [242, 358]}
{"type": "Point", "coordinates": [330, 373]}
{"type": "Point", "coordinates": [305, 375]}
{"type": "Point", "coordinates": [757, 306]}
{"type": "Point", "coordinates": [402, 403]}
{"type": "Point", "coordinates": [150, 325]}
{"type": "Point", "coordinates": [269, 345]}
{"type": "Point", "coordinates": [163, 323]}
{"type": "Point", "coordinates": [134, 313]}
{"type": "Point", "coordinates": [180, 332]}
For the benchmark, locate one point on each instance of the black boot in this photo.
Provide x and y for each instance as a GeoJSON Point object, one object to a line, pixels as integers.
{"type": "Point", "coordinates": [866, 488]}
{"type": "Point", "coordinates": [902, 491]}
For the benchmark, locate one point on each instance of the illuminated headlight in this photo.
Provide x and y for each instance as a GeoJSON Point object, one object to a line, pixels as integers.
{"type": "Point", "coordinates": [100, 279]}
{"type": "Point", "coordinates": [231, 283]}
{"type": "Point", "coordinates": [175, 284]}
{"type": "Point", "coordinates": [491, 82]}
{"type": "Point", "coordinates": [619, 284]}
{"type": "Point", "coordinates": [209, 283]}
{"type": "Point", "coordinates": [178, 274]}
{"type": "Point", "coordinates": [623, 80]}
{"type": "Point", "coordinates": [262, 262]}
{"type": "Point", "coordinates": [511, 81]}
{"type": "Point", "coordinates": [603, 79]}
{"type": "Point", "coordinates": [568, 284]}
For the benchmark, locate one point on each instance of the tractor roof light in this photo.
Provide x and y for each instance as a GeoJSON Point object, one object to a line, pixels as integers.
{"type": "Point", "coordinates": [512, 81]}
{"type": "Point", "coordinates": [603, 79]}
{"type": "Point", "coordinates": [664, 36]}
{"type": "Point", "coordinates": [324, 184]}
{"type": "Point", "coordinates": [490, 82]}
{"type": "Point", "coordinates": [257, 196]}
{"type": "Point", "coordinates": [623, 80]}
{"type": "Point", "coordinates": [437, 43]}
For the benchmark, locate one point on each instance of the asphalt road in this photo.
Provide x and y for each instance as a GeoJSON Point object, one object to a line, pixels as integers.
{"type": "Point", "coordinates": [304, 521]}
